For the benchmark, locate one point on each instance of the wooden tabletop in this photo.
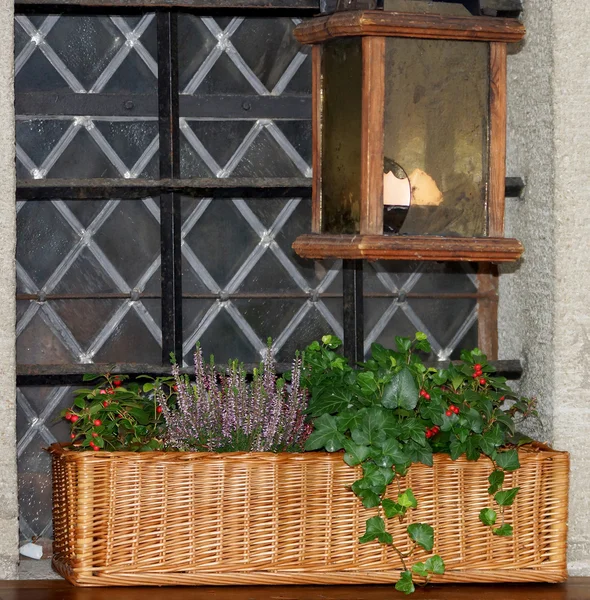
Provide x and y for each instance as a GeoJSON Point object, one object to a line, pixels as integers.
{"type": "Point", "coordinates": [577, 588]}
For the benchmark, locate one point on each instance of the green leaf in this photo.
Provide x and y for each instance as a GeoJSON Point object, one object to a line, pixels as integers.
{"type": "Point", "coordinates": [456, 448]}
{"type": "Point", "coordinates": [331, 341]}
{"type": "Point", "coordinates": [496, 480]}
{"type": "Point", "coordinates": [508, 460]}
{"type": "Point", "coordinates": [392, 509]}
{"type": "Point", "coordinates": [329, 401]}
{"type": "Point", "coordinates": [407, 499]}
{"type": "Point", "coordinates": [435, 564]}
{"type": "Point", "coordinates": [422, 534]}
{"type": "Point", "coordinates": [488, 516]}
{"type": "Point", "coordinates": [421, 335]}
{"type": "Point", "coordinates": [370, 430]}
{"type": "Point", "coordinates": [420, 569]}
{"type": "Point", "coordinates": [401, 391]}
{"type": "Point", "coordinates": [504, 531]}
{"type": "Point", "coordinates": [355, 454]}
{"type": "Point", "coordinates": [405, 583]}
{"type": "Point", "coordinates": [472, 447]}
{"type": "Point", "coordinates": [421, 454]}
{"type": "Point", "coordinates": [148, 387]}
{"type": "Point", "coordinates": [475, 420]}
{"type": "Point", "coordinates": [403, 344]}
{"type": "Point", "coordinates": [326, 435]}
{"type": "Point", "coordinates": [505, 420]}
{"type": "Point", "coordinates": [375, 530]}
{"type": "Point", "coordinates": [80, 402]}
{"type": "Point", "coordinates": [506, 498]}
{"type": "Point", "coordinates": [369, 498]}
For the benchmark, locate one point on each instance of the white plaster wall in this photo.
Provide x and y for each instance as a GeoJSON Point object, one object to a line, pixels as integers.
{"type": "Point", "coordinates": [8, 485]}
{"type": "Point", "coordinates": [544, 313]}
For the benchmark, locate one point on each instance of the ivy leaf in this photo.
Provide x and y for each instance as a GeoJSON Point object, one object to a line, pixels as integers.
{"type": "Point", "coordinates": [326, 435]}
{"type": "Point", "coordinates": [348, 419]}
{"type": "Point", "coordinates": [475, 420]}
{"type": "Point", "coordinates": [367, 383]}
{"type": "Point", "coordinates": [392, 509]}
{"type": "Point", "coordinates": [330, 401]}
{"type": "Point", "coordinates": [401, 391]}
{"type": "Point", "coordinates": [420, 569]}
{"type": "Point", "coordinates": [472, 447]}
{"type": "Point", "coordinates": [488, 516]}
{"type": "Point", "coordinates": [375, 530]}
{"type": "Point", "coordinates": [370, 430]}
{"type": "Point", "coordinates": [496, 480]}
{"type": "Point", "coordinates": [456, 448]}
{"type": "Point", "coordinates": [422, 454]}
{"type": "Point", "coordinates": [405, 583]}
{"type": "Point", "coordinates": [414, 430]}
{"type": "Point", "coordinates": [435, 564]}
{"type": "Point", "coordinates": [422, 534]}
{"type": "Point", "coordinates": [370, 498]}
{"type": "Point", "coordinates": [504, 531]}
{"type": "Point", "coordinates": [505, 420]}
{"type": "Point", "coordinates": [506, 498]}
{"type": "Point", "coordinates": [508, 460]}
{"type": "Point", "coordinates": [407, 499]}
{"type": "Point", "coordinates": [355, 454]}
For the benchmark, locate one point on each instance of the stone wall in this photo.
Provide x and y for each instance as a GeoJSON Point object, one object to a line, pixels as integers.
{"type": "Point", "coordinates": [8, 487]}
{"type": "Point", "coordinates": [544, 311]}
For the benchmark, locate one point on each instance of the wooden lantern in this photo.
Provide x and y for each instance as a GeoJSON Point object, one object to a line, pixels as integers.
{"type": "Point", "coordinates": [409, 107]}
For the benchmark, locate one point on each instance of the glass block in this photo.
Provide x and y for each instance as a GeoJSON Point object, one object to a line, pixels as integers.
{"type": "Point", "coordinates": [41, 344]}
{"type": "Point", "coordinates": [191, 163]}
{"type": "Point", "coordinates": [222, 240]}
{"type": "Point", "coordinates": [221, 139]}
{"type": "Point", "coordinates": [267, 46]}
{"type": "Point", "coordinates": [341, 135]}
{"type": "Point", "coordinates": [133, 76]}
{"type": "Point", "coordinates": [130, 239]}
{"type": "Point", "coordinates": [225, 77]}
{"type": "Point", "coordinates": [225, 340]}
{"type": "Point", "coordinates": [195, 42]}
{"type": "Point", "coordinates": [269, 317]}
{"type": "Point", "coordinates": [301, 81]}
{"type": "Point", "coordinates": [83, 158]}
{"type": "Point", "coordinates": [34, 486]}
{"type": "Point", "coordinates": [265, 157]}
{"type": "Point", "coordinates": [38, 137]}
{"type": "Point", "coordinates": [85, 211]}
{"type": "Point", "coordinates": [131, 341]}
{"type": "Point", "coordinates": [436, 129]}
{"type": "Point", "coordinates": [266, 209]}
{"type": "Point", "coordinates": [193, 311]}
{"type": "Point", "coordinates": [399, 324]}
{"type": "Point", "coordinates": [269, 275]}
{"type": "Point", "coordinates": [312, 327]}
{"type": "Point", "coordinates": [85, 319]}
{"type": "Point", "coordinates": [44, 238]}
{"type": "Point", "coordinates": [313, 271]}
{"type": "Point", "coordinates": [130, 140]}
{"type": "Point", "coordinates": [299, 135]}
{"type": "Point", "coordinates": [86, 44]}
{"type": "Point", "coordinates": [39, 75]}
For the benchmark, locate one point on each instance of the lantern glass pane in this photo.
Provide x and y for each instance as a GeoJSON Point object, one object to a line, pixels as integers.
{"type": "Point", "coordinates": [436, 130]}
{"type": "Point", "coordinates": [341, 135]}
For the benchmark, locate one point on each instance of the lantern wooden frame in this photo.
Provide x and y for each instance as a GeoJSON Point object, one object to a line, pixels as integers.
{"type": "Point", "coordinates": [370, 243]}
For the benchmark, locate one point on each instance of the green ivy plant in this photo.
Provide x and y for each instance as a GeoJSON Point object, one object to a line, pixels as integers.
{"type": "Point", "coordinates": [393, 411]}
{"type": "Point", "coordinates": [118, 414]}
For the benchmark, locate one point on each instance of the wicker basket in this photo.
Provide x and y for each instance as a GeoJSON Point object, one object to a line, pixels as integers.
{"type": "Point", "coordinates": [158, 518]}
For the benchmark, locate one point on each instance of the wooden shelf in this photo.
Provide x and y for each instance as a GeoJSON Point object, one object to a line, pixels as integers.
{"type": "Point", "coordinates": [401, 247]}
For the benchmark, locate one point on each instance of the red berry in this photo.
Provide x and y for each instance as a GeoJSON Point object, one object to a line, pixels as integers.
{"type": "Point", "coordinates": [116, 382]}
{"type": "Point", "coordinates": [159, 409]}
{"type": "Point", "coordinates": [96, 448]}
{"type": "Point", "coordinates": [175, 388]}
{"type": "Point", "coordinates": [74, 418]}
{"type": "Point", "coordinates": [426, 396]}
{"type": "Point", "coordinates": [477, 367]}
{"type": "Point", "coordinates": [436, 429]}
{"type": "Point", "coordinates": [456, 410]}
{"type": "Point", "coordinates": [68, 416]}
{"type": "Point", "coordinates": [110, 391]}
{"type": "Point", "coordinates": [94, 434]}
{"type": "Point", "coordinates": [476, 375]}
{"type": "Point", "coordinates": [91, 444]}
{"type": "Point", "coordinates": [103, 391]}
{"type": "Point", "coordinates": [429, 434]}
{"type": "Point", "coordinates": [105, 403]}
{"type": "Point", "coordinates": [482, 381]}
{"type": "Point", "coordinates": [97, 422]}
{"type": "Point", "coordinates": [448, 413]}
{"type": "Point", "coordinates": [73, 436]}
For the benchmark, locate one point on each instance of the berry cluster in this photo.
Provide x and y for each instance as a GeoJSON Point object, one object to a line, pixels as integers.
{"type": "Point", "coordinates": [432, 431]}
{"type": "Point", "coordinates": [452, 410]}
{"type": "Point", "coordinates": [425, 394]}
{"type": "Point", "coordinates": [478, 374]}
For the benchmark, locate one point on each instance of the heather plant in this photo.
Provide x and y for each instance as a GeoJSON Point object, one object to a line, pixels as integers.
{"type": "Point", "coordinates": [228, 412]}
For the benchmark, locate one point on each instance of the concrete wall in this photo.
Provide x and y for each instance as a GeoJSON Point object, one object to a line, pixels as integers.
{"type": "Point", "coordinates": [544, 315]}
{"type": "Point", "coordinates": [8, 487]}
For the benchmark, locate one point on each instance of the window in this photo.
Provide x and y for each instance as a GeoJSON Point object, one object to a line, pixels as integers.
{"type": "Point", "coordinates": [171, 151]}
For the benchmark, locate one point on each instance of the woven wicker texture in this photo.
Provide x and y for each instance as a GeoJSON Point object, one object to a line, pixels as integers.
{"type": "Point", "coordinates": [165, 518]}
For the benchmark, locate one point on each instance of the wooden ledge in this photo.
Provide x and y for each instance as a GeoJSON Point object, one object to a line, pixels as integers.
{"type": "Point", "coordinates": [397, 24]}
{"type": "Point", "coordinates": [401, 247]}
